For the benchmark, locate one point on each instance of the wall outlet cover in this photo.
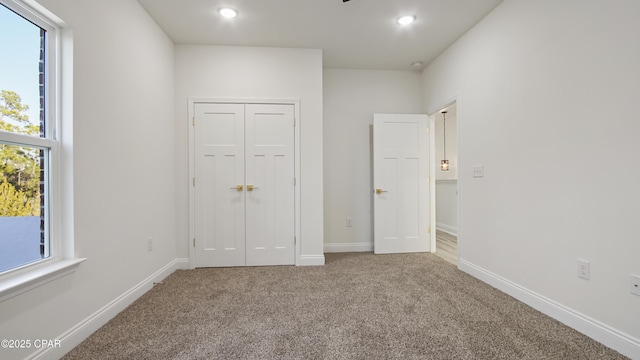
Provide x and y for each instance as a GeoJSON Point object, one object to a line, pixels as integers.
{"type": "Point", "coordinates": [584, 269]}
{"type": "Point", "coordinates": [478, 171]}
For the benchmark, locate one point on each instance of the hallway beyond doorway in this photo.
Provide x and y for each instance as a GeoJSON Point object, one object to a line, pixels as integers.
{"type": "Point", "coordinates": [447, 247]}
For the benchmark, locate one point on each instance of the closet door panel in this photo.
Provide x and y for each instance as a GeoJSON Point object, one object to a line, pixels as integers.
{"type": "Point", "coordinates": [270, 184]}
{"type": "Point", "coordinates": [219, 169]}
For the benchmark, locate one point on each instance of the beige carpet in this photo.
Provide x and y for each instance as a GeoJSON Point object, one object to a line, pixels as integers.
{"type": "Point", "coordinates": [357, 306]}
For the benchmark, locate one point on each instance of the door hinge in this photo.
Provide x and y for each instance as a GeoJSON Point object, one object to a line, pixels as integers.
{"type": "Point", "coordinates": [194, 182]}
{"type": "Point", "coordinates": [295, 240]}
{"type": "Point", "coordinates": [194, 242]}
{"type": "Point", "coordinates": [428, 180]}
{"type": "Point", "coordinates": [193, 121]}
{"type": "Point", "coordinates": [294, 121]}
{"type": "Point", "coordinates": [428, 230]}
{"type": "Point", "coordinates": [427, 130]}
{"type": "Point", "coordinates": [295, 181]}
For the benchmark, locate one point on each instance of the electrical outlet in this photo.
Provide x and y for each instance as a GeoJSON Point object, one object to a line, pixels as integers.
{"type": "Point", "coordinates": [478, 171]}
{"type": "Point", "coordinates": [584, 269]}
{"type": "Point", "coordinates": [150, 244]}
{"type": "Point", "coordinates": [635, 284]}
{"type": "Point", "coordinates": [349, 222]}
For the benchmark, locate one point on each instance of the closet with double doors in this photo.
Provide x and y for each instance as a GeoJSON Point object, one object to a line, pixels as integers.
{"type": "Point", "coordinates": [244, 184]}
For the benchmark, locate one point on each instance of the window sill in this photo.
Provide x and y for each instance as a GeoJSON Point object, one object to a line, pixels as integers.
{"type": "Point", "coordinates": [16, 284]}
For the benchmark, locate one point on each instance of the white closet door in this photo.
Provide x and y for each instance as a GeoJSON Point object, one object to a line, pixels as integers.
{"type": "Point", "coordinates": [219, 173]}
{"type": "Point", "coordinates": [400, 177]}
{"type": "Point", "coordinates": [270, 184]}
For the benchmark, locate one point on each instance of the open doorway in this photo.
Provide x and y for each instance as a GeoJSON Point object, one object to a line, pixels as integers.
{"type": "Point", "coordinates": [446, 179]}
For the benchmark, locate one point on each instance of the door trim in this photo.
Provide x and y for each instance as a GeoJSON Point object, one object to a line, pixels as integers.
{"type": "Point", "coordinates": [192, 101]}
{"type": "Point", "coordinates": [432, 181]}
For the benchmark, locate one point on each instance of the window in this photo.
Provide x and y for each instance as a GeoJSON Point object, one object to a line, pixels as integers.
{"type": "Point", "coordinates": [25, 145]}
{"type": "Point", "coordinates": [30, 245]}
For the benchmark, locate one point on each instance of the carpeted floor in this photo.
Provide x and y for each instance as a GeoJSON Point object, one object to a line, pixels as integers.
{"type": "Point", "coordinates": [357, 306]}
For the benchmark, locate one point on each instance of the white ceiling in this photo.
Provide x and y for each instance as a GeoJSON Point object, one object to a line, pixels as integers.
{"type": "Point", "coordinates": [358, 34]}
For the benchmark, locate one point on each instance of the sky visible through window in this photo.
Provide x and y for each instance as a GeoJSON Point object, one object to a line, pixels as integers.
{"type": "Point", "coordinates": [20, 199]}
{"type": "Point", "coordinates": [19, 56]}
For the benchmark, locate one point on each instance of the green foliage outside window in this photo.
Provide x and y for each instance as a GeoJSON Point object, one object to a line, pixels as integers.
{"type": "Point", "coordinates": [19, 165]}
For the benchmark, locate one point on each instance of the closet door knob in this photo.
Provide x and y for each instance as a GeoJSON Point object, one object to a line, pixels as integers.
{"type": "Point", "coordinates": [251, 187]}
{"type": "Point", "coordinates": [237, 188]}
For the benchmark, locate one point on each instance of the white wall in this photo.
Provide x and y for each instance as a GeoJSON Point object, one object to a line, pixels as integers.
{"type": "Point", "coordinates": [351, 97]}
{"type": "Point", "coordinates": [234, 72]}
{"type": "Point", "coordinates": [548, 102]}
{"type": "Point", "coordinates": [123, 180]}
{"type": "Point", "coordinates": [447, 206]}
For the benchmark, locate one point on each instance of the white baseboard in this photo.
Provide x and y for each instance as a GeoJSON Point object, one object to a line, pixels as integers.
{"type": "Point", "coordinates": [182, 263]}
{"type": "Point", "coordinates": [615, 339]}
{"type": "Point", "coordinates": [348, 247]}
{"type": "Point", "coordinates": [74, 336]}
{"type": "Point", "coordinates": [311, 260]}
{"type": "Point", "coordinates": [453, 230]}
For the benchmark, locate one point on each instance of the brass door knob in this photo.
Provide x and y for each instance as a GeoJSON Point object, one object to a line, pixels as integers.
{"type": "Point", "coordinates": [237, 188]}
{"type": "Point", "coordinates": [251, 187]}
{"type": "Point", "coordinates": [380, 191]}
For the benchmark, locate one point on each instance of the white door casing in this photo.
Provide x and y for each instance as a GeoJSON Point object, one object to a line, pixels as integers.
{"type": "Point", "coordinates": [243, 191]}
{"type": "Point", "coordinates": [401, 183]}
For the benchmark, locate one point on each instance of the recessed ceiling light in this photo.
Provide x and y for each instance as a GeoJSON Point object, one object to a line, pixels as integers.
{"type": "Point", "coordinates": [406, 20]}
{"type": "Point", "coordinates": [227, 13]}
{"type": "Point", "coordinates": [417, 65]}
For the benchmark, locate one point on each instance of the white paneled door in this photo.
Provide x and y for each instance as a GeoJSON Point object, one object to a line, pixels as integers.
{"type": "Point", "coordinates": [269, 185]}
{"type": "Point", "coordinates": [401, 183]}
{"type": "Point", "coordinates": [219, 213]}
{"type": "Point", "coordinates": [244, 184]}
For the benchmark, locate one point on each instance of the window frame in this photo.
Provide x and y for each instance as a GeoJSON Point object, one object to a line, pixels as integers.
{"type": "Point", "coordinates": [58, 198]}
